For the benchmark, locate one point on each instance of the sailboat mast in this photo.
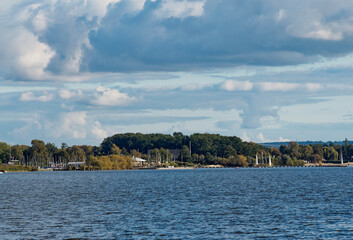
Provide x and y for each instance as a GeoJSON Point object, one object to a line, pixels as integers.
{"type": "Point", "coordinates": [257, 160]}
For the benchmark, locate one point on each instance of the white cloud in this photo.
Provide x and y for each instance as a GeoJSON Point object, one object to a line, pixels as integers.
{"type": "Point", "coordinates": [98, 131]}
{"type": "Point", "coordinates": [245, 137]}
{"type": "Point", "coordinates": [314, 21]}
{"type": "Point", "coordinates": [67, 107]}
{"type": "Point", "coordinates": [39, 22]}
{"type": "Point", "coordinates": [97, 7]}
{"type": "Point", "coordinates": [193, 86]}
{"type": "Point", "coordinates": [31, 129]}
{"type": "Point", "coordinates": [77, 127]}
{"type": "Point", "coordinates": [180, 9]}
{"type": "Point", "coordinates": [281, 15]}
{"type": "Point", "coordinates": [29, 96]}
{"type": "Point", "coordinates": [313, 87]}
{"type": "Point", "coordinates": [324, 34]}
{"type": "Point", "coordinates": [67, 94]}
{"type": "Point", "coordinates": [72, 124]}
{"type": "Point", "coordinates": [111, 97]}
{"type": "Point", "coordinates": [231, 85]}
{"type": "Point", "coordinates": [29, 56]}
{"type": "Point", "coordinates": [284, 139]}
{"type": "Point", "coordinates": [261, 138]}
{"type": "Point", "coordinates": [25, 50]}
{"type": "Point", "coordinates": [278, 86]}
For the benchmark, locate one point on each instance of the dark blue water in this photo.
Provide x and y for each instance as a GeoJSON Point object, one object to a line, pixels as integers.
{"type": "Point", "coordinates": [301, 203]}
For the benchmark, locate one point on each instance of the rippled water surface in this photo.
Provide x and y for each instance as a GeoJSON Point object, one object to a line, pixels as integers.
{"type": "Point", "coordinates": [304, 203]}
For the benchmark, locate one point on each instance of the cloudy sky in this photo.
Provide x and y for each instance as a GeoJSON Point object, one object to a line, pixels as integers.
{"type": "Point", "coordinates": [77, 71]}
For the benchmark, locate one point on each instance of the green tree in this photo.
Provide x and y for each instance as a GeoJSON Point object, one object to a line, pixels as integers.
{"type": "Point", "coordinates": [287, 160]}
{"type": "Point", "coordinates": [52, 151]}
{"type": "Point", "coordinates": [39, 153]}
{"type": "Point", "coordinates": [76, 154]}
{"type": "Point", "coordinates": [185, 154]}
{"type": "Point", "coordinates": [345, 150]}
{"type": "Point", "coordinates": [316, 158]}
{"type": "Point", "coordinates": [4, 152]}
{"type": "Point", "coordinates": [318, 149]}
{"type": "Point", "coordinates": [62, 156]}
{"type": "Point", "coordinates": [331, 153]}
{"type": "Point", "coordinates": [17, 152]}
{"type": "Point", "coordinates": [155, 156]}
{"type": "Point", "coordinates": [64, 146]}
{"type": "Point", "coordinates": [115, 150]}
{"type": "Point", "coordinates": [307, 151]}
{"type": "Point", "coordinates": [209, 159]}
{"type": "Point", "coordinates": [238, 161]}
{"type": "Point", "coordinates": [229, 151]}
{"type": "Point", "coordinates": [294, 149]}
{"type": "Point", "coordinates": [275, 152]}
{"type": "Point", "coordinates": [165, 155]}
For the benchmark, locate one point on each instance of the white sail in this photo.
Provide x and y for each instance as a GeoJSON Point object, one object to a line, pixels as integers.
{"type": "Point", "coordinates": [341, 157]}
{"type": "Point", "coordinates": [257, 160]}
{"type": "Point", "coordinates": [269, 161]}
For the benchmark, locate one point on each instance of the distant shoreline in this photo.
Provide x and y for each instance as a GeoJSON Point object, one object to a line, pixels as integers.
{"type": "Point", "coordinates": [308, 165]}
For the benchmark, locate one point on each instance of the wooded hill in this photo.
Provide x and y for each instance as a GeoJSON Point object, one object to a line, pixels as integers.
{"type": "Point", "coordinates": [213, 144]}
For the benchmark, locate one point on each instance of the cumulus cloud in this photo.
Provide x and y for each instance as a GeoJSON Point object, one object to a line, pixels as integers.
{"type": "Point", "coordinates": [29, 96]}
{"type": "Point", "coordinates": [28, 56]}
{"type": "Point", "coordinates": [281, 15]}
{"type": "Point", "coordinates": [31, 128]}
{"type": "Point", "coordinates": [245, 137]}
{"type": "Point", "coordinates": [220, 34]}
{"type": "Point", "coordinates": [67, 94]}
{"type": "Point", "coordinates": [261, 138]}
{"type": "Point", "coordinates": [72, 124]}
{"type": "Point", "coordinates": [319, 22]}
{"type": "Point", "coordinates": [111, 97]}
{"type": "Point", "coordinates": [257, 107]}
{"type": "Point", "coordinates": [314, 87]}
{"type": "Point", "coordinates": [278, 86]}
{"type": "Point", "coordinates": [98, 131]}
{"type": "Point", "coordinates": [74, 40]}
{"type": "Point", "coordinates": [231, 85]}
{"type": "Point", "coordinates": [44, 39]}
{"type": "Point", "coordinates": [281, 139]}
{"type": "Point", "coordinates": [180, 9]}
{"type": "Point", "coordinates": [72, 127]}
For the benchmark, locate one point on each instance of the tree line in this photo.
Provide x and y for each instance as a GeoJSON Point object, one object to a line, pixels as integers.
{"type": "Point", "coordinates": [116, 152]}
{"type": "Point", "coordinates": [41, 155]}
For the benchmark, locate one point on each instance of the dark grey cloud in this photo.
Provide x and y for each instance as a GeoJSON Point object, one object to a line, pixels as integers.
{"type": "Point", "coordinates": [228, 33]}
{"type": "Point", "coordinates": [68, 37]}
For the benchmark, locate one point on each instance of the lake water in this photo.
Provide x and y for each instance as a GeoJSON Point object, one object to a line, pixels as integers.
{"type": "Point", "coordinates": [301, 203]}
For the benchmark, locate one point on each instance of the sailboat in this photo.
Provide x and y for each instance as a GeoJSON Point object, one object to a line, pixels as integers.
{"type": "Point", "coordinates": [269, 161]}
{"type": "Point", "coordinates": [257, 160]}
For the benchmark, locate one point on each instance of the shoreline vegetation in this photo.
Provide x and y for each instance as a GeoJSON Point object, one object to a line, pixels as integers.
{"type": "Point", "coordinates": [14, 169]}
{"type": "Point", "coordinates": [163, 151]}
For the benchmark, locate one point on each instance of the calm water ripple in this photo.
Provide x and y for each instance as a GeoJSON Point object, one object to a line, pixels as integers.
{"type": "Point", "coordinates": [300, 203]}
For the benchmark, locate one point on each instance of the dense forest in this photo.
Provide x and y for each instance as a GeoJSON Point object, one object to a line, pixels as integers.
{"type": "Point", "coordinates": [117, 152]}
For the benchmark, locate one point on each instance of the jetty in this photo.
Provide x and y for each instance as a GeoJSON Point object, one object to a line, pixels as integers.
{"type": "Point", "coordinates": [329, 164]}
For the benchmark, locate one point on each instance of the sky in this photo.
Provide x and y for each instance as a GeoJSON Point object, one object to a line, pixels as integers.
{"type": "Point", "coordinates": [78, 71]}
